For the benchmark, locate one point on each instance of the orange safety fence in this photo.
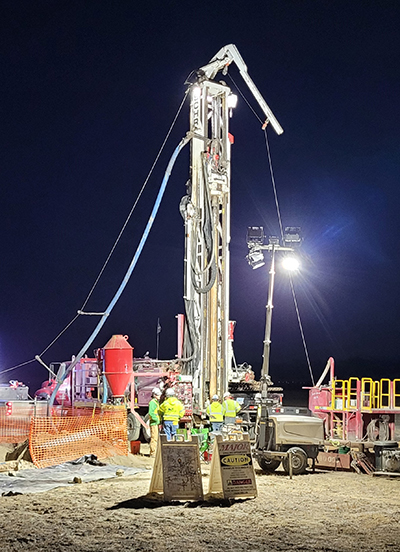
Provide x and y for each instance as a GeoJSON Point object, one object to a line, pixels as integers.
{"type": "Point", "coordinates": [15, 418]}
{"type": "Point", "coordinates": [14, 426]}
{"type": "Point", "coordinates": [54, 440]}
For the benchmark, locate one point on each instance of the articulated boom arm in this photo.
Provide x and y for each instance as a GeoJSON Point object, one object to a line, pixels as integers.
{"type": "Point", "coordinates": [222, 60]}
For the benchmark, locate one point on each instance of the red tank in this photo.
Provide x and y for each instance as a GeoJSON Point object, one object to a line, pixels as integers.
{"type": "Point", "coordinates": [118, 358]}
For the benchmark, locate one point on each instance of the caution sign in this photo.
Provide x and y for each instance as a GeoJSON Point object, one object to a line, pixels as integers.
{"type": "Point", "coordinates": [232, 470]}
{"type": "Point", "coordinates": [176, 471]}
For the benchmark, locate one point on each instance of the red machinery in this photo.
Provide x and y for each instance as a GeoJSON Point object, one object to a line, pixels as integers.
{"type": "Point", "coordinates": [130, 382]}
{"type": "Point", "coordinates": [81, 385]}
{"type": "Point", "coordinates": [117, 363]}
{"type": "Point", "coordinates": [357, 409]}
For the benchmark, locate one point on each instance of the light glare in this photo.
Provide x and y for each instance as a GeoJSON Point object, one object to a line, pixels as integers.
{"type": "Point", "coordinates": [291, 264]}
{"type": "Point", "coordinates": [196, 91]}
{"type": "Point", "coordinates": [232, 101]}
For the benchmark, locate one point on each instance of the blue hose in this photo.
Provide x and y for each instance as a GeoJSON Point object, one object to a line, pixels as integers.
{"type": "Point", "coordinates": [105, 390]}
{"type": "Point", "coordinates": [131, 267]}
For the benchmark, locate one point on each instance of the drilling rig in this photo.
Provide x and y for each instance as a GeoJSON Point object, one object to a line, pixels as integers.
{"type": "Point", "coordinates": [207, 333]}
{"type": "Point", "coordinates": [206, 209]}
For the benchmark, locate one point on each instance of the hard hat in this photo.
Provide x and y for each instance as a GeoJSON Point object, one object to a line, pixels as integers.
{"type": "Point", "coordinates": [226, 395]}
{"type": "Point", "coordinates": [169, 392]}
{"type": "Point", "coordinates": [257, 396]}
{"type": "Point", "coordinates": [156, 391]}
{"type": "Point", "coordinates": [215, 397]}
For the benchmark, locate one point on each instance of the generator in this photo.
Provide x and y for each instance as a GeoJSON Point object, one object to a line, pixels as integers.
{"type": "Point", "coordinates": [387, 456]}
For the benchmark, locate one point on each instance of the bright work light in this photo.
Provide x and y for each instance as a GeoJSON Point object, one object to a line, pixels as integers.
{"type": "Point", "coordinates": [232, 101]}
{"type": "Point", "coordinates": [291, 264]}
{"type": "Point", "coordinates": [255, 259]}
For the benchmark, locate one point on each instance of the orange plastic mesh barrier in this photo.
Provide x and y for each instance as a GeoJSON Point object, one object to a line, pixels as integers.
{"type": "Point", "coordinates": [15, 419]}
{"type": "Point", "coordinates": [54, 440]}
{"type": "Point", "coordinates": [14, 424]}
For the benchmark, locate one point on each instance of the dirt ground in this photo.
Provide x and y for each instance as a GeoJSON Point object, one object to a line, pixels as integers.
{"type": "Point", "coordinates": [321, 511]}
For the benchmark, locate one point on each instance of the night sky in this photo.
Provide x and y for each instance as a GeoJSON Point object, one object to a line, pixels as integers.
{"type": "Point", "coordinates": [89, 90]}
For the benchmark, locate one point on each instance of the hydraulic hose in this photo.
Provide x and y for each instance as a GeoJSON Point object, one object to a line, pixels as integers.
{"type": "Point", "coordinates": [131, 267]}
{"type": "Point", "coordinates": [208, 236]}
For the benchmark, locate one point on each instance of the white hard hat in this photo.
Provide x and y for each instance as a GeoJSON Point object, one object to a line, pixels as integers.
{"type": "Point", "coordinates": [156, 391]}
{"type": "Point", "coordinates": [215, 397]}
{"type": "Point", "coordinates": [226, 395]}
{"type": "Point", "coordinates": [169, 392]}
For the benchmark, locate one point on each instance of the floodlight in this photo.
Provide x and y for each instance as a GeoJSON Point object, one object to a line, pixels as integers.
{"type": "Point", "coordinates": [255, 236]}
{"type": "Point", "coordinates": [255, 259]}
{"type": "Point", "coordinates": [273, 240]}
{"type": "Point", "coordinates": [291, 263]}
{"type": "Point", "coordinates": [292, 236]}
{"type": "Point", "coordinates": [196, 91]}
{"type": "Point", "coordinates": [232, 101]}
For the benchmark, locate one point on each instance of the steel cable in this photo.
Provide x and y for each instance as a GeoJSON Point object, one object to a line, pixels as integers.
{"type": "Point", "coordinates": [280, 226]}
{"type": "Point", "coordinates": [115, 243]}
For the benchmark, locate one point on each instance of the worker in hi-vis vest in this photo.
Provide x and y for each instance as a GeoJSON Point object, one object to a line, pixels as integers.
{"type": "Point", "coordinates": [154, 419]}
{"type": "Point", "coordinates": [230, 408]}
{"type": "Point", "coordinates": [171, 411]}
{"type": "Point", "coordinates": [215, 412]}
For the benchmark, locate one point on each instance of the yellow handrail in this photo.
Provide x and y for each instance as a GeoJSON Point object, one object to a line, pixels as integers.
{"type": "Point", "coordinates": [367, 388]}
{"type": "Point", "coordinates": [339, 394]}
{"type": "Point", "coordinates": [396, 393]}
{"type": "Point", "coordinates": [375, 394]}
{"type": "Point", "coordinates": [352, 393]}
{"type": "Point", "coordinates": [384, 396]}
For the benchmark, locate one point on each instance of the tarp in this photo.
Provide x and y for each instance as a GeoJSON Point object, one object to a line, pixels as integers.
{"type": "Point", "coordinates": [45, 479]}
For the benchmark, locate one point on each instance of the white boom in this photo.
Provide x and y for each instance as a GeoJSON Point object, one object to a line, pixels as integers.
{"type": "Point", "coordinates": [222, 60]}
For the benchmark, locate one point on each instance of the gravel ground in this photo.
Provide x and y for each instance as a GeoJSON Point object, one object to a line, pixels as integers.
{"type": "Point", "coordinates": [324, 511]}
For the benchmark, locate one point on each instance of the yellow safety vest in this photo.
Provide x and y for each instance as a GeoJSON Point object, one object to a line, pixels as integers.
{"type": "Point", "coordinates": [172, 409]}
{"type": "Point", "coordinates": [230, 408]}
{"type": "Point", "coordinates": [215, 412]}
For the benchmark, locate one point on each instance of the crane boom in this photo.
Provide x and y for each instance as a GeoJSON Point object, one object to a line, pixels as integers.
{"type": "Point", "coordinates": [220, 62]}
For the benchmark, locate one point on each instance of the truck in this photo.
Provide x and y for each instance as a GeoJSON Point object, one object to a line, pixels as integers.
{"type": "Point", "coordinates": [16, 410]}
{"type": "Point", "coordinates": [113, 377]}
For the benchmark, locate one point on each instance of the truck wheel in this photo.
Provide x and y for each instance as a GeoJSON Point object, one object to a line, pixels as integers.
{"type": "Point", "coordinates": [133, 427]}
{"type": "Point", "coordinates": [299, 461]}
{"type": "Point", "coordinates": [146, 432]}
{"type": "Point", "coordinates": [268, 464]}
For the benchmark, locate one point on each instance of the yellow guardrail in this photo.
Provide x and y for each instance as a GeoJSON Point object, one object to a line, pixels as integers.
{"type": "Point", "coordinates": [384, 395]}
{"type": "Point", "coordinates": [367, 394]}
{"type": "Point", "coordinates": [352, 393]}
{"type": "Point", "coordinates": [396, 393]}
{"type": "Point", "coordinates": [367, 390]}
{"type": "Point", "coordinates": [339, 394]}
{"type": "Point", "coordinates": [375, 394]}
